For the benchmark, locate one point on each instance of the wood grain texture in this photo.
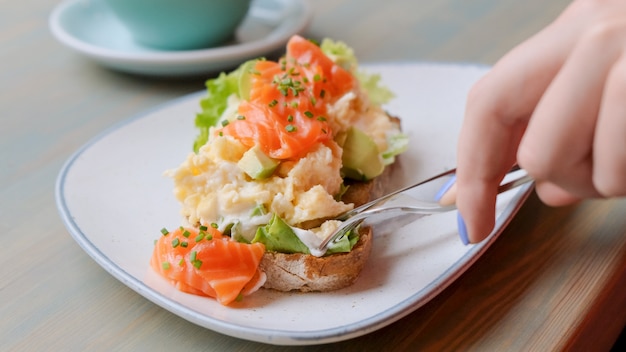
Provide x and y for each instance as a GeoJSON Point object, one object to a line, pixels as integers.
{"type": "Point", "coordinates": [554, 280]}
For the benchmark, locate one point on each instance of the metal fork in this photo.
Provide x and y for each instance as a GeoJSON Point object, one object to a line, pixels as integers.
{"type": "Point", "coordinates": [420, 198]}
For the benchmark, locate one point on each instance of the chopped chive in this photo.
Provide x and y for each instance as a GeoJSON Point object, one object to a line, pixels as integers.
{"type": "Point", "coordinates": [294, 105]}
{"type": "Point", "coordinates": [321, 118]}
{"type": "Point", "coordinates": [290, 128]}
{"type": "Point", "coordinates": [181, 228]}
{"type": "Point", "coordinates": [214, 225]}
{"type": "Point", "coordinates": [239, 298]}
{"type": "Point", "coordinates": [184, 244]}
{"type": "Point", "coordinates": [290, 118]}
{"type": "Point", "coordinates": [225, 123]}
{"type": "Point", "coordinates": [272, 103]}
{"type": "Point", "coordinates": [165, 265]}
{"type": "Point", "coordinates": [308, 114]}
{"type": "Point", "coordinates": [221, 134]}
{"type": "Point", "coordinates": [199, 237]}
{"type": "Point", "coordinates": [241, 117]}
{"type": "Point", "coordinates": [181, 262]}
{"type": "Point", "coordinates": [175, 242]}
{"type": "Point", "coordinates": [313, 100]}
{"type": "Point", "coordinates": [209, 236]}
{"type": "Point", "coordinates": [197, 264]}
{"type": "Point", "coordinates": [164, 231]}
{"type": "Point", "coordinates": [186, 233]}
{"type": "Point", "coordinates": [322, 93]}
{"type": "Point", "coordinates": [193, 255]}
{"type": "Point", "coordinates": [317, 77]}
{"type": "Point", "coordinates": [305, 80]}
{"type": "Point", "coordinates": [203, 228]}
{"type": "Point", "coordinates": [324, 131]}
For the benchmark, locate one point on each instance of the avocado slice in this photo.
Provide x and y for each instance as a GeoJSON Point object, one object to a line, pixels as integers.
{"type": "Point", "coordinates": [256, 164]}
{"type": "Point", "coordinates": [361, 157]}
{"type": "Point", "coordinates": [279, 237]}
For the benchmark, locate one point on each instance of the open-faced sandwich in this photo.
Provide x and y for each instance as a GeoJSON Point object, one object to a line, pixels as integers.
{"type": "Point", "coordinates": [284, 147]}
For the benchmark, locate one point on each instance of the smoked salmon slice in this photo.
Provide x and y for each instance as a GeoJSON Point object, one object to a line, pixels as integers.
{"type": "Point", "coordinates": [286, 113]}
{"type": "Point", "coordinates": [209, 264]}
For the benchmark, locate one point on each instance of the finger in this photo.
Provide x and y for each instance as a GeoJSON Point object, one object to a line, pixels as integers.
{"type": "Point", "coordinates": [553, 195]}
{"type": "Point", "coordinates": [609, 154]}
{"type": "Point", "coordinates": [557, 146]}
{"type": "Point", "coordinates": [497, 112]}
{"type": "Point", "coordinates": [476, 198]}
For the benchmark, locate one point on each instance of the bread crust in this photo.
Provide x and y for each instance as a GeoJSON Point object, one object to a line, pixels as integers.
{"type": "Point", "coordinates": [306, 273]}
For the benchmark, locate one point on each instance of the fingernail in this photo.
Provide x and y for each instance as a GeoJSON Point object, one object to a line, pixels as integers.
{"type": "Point", "coordinates": [445, 188]}
{"type": "Point", "coordinates": [462, 229]}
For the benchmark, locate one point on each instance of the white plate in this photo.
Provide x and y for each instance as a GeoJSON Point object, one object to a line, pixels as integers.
{"type": "Point", "coordinates": [114, 200]}
{"type": "Point", "coordinates": [91, 29]}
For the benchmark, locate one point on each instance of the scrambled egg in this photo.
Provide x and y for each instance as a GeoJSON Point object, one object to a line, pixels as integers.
{"type": "Point", "coordinates": [214, 190]}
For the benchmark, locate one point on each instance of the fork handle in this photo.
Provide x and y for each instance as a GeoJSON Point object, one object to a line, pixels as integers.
{"type": "Point", "coordinates": [449, 195]}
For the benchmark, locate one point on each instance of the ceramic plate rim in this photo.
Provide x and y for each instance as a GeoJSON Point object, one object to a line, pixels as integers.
{"type": "Point", "coordinates": [271, 336]}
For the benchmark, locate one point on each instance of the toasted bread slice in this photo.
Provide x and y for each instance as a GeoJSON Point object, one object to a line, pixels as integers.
{"type": "Point", "coordinates": [306, 273]}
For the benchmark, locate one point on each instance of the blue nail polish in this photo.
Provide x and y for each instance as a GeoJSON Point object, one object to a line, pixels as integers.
{"type": "Point", "coordinates": [445, 188]}
{"type": "Point", "coordinates": [462, 229]}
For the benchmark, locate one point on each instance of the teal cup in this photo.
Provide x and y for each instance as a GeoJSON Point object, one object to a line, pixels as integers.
{"type": "Point", "coordinates": [180, 24]}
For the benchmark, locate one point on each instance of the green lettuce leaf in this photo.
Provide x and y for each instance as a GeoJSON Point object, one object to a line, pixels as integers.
{"type": "Point", "coordinates": [214, 104]}
{"type": "Point", "coordinates": [340, 53]}
{"type": "Point", "coordinates": [396, 145]}
{"type": "Point", "coordinates": [343, 55]}
{"type": "Point", "coordinates": [378, 93]}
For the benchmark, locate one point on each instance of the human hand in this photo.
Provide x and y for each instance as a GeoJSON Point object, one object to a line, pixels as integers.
{"type": "Point", "coordinates": [556, 105]}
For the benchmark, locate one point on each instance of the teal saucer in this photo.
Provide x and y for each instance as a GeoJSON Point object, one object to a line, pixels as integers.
{"type": "Point", "coordinates": [93, 31]}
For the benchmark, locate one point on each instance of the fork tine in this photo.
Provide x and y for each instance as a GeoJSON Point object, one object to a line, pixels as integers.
{"type": "Point", "coordinates": [355, 217]}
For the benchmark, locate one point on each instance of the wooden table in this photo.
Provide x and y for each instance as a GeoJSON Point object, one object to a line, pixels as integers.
{"type": "Point", "coordinates": [555, 279]}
